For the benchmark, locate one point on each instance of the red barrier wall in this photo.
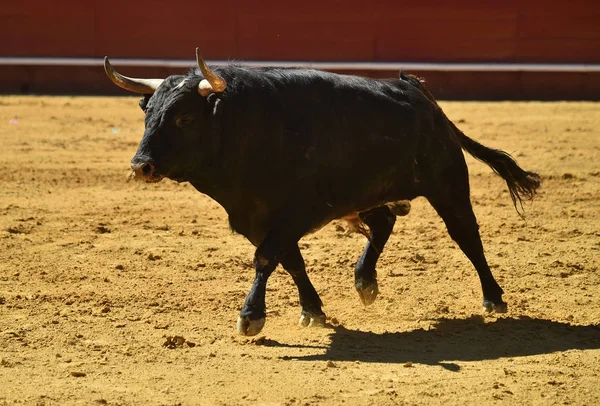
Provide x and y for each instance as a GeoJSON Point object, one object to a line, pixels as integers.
{"type": "Point", "coordinates": [421, 31]}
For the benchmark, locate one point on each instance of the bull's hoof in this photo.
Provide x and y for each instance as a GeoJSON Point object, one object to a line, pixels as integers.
{"type": "Point", "coordinates": [248, 327]}
{"type": "Point", "coordinates": [369, 293]}
{"type": "Point", "coordinates": [311, 320]}
{"type": "Point", "coordinates": [490, 307]}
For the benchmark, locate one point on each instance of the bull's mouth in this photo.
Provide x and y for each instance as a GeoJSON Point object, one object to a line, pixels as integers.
{"type": "Point", "coordinates": [140, 177]}
{"type": "Point", "coordinates": [154, 179]}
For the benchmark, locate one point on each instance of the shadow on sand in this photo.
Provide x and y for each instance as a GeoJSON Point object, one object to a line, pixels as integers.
{"type": "Point", "coordinates": [470, 339]}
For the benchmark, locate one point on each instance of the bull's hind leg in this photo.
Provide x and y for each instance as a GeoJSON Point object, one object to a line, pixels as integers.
{"type": "Point", "coordinates": [312, 315]}
{"type": "Point", "coordinates": [380, 222]}
{"type": "Point", "coordinates": [454, 206]}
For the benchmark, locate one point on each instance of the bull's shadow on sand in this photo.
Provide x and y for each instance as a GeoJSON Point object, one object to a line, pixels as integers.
{"type": "Point", "coordinates": [469, 339]}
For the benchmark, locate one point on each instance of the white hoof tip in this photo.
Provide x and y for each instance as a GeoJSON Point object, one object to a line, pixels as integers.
{"type": "Point", "coordinates": [369, 294]}
{"type": "Point", "coordinates": [248, 327]}
{"type": "Point", "coordinates": [309, 320]}
{"type": "Point", "coordinates": [304, 320]}
{"type": "Point", "coordinates": [489, 307]}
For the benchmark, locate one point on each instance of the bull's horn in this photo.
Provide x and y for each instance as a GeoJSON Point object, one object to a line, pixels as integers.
{"type": "Point", "coordinates": [212, 83]}
{"type": "Point", "coordinates": [143, 86]}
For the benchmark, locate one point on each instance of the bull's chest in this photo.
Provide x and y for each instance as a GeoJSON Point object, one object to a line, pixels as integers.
{"type": "Point", "coordinates": [252, 220]}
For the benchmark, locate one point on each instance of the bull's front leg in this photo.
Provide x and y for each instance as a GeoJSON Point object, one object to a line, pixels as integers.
{"type": "Point", "coordinates": [280, 244]}
{"type": "Point", "coordinates": [253, 314]}
{"type": "Point", "coordinates": [312, 314]}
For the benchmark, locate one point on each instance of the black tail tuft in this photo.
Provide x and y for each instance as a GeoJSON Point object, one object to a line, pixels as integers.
{"type": "Point", "coordinates": [522, 184]}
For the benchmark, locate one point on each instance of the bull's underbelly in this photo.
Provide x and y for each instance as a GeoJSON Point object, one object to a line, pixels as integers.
{"type": "Point", "coordinates": [256, 226]}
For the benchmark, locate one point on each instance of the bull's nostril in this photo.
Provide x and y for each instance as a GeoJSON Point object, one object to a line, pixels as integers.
{"type": "Point", "coordinates": [147, 169]}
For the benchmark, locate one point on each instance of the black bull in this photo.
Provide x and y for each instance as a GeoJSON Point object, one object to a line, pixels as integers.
{"type": "Point", "coordinates": [285, 151]}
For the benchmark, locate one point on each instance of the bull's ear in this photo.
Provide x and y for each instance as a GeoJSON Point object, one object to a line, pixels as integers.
{"type": "Point", "coordinates": [144, 102]}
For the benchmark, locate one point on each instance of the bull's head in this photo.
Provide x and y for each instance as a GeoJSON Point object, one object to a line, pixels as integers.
{"type": "Point", "coordinates": [174, 112]}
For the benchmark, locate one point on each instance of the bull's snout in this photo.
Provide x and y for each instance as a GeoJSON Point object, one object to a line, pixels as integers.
{"type": "Point", "coordinates": [144, 169]}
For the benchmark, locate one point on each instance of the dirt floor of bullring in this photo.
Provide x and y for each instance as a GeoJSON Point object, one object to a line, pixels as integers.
{"type": "Point", "coordinates": [117, 292]}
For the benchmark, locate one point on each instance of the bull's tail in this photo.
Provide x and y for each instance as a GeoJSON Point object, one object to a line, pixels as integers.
{"type": "Point", "coordinates": [522, 184]}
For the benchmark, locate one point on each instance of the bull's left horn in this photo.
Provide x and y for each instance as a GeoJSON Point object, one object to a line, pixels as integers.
{"type": "Point", "coordinates": [212, 83]}
{"type": "Point", "coordinates": [143, 86]}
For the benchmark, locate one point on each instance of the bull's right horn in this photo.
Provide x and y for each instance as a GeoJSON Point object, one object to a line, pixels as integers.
{"type": "Point", "coordinates": [142, 86]}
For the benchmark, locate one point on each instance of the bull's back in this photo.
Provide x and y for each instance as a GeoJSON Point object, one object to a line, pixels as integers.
{"type": "Point", "coordinates": [313, 118]}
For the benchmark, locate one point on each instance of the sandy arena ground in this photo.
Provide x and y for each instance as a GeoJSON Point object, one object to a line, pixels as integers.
{"type": "Point", "coordinates": [96, 272]}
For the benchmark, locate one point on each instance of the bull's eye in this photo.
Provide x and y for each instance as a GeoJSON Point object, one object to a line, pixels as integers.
{"type": "Point", "coordinates": [183, 121]}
